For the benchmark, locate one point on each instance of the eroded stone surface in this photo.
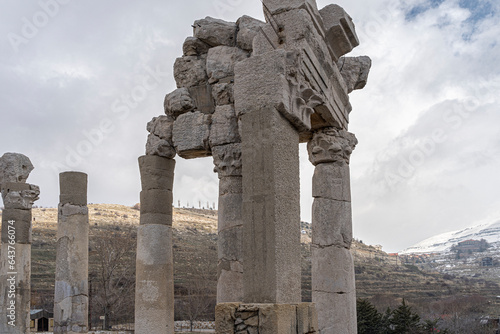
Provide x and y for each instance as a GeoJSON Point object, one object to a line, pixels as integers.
{"type": "Point", "coordinates": [160, 138]}
{"type": "Point", "coordinates": [15, 167]}
{"type": "Point", "coordinates": [227, 160]}
{"type": "Point", "coordinates": [331, 145]}
{"type": "Point", "coordinates": [221, 61]}
{"type": "Point", "coordinates": [178, 102]}
{"type": "Point", "coordinates": [215, 32]}
{"type": "Point", "coordinates": [224, 129]}
{"type": "Point", "coordinates": [191, 135]}
{"type": "Point", "coordinates": [190, 71]}
{"type": "Point", "coordinates": [355, 71]}
{"type": "Point", "coordinates": [248, 28]}
{"type": "Point", "coordinates": [194, 47]}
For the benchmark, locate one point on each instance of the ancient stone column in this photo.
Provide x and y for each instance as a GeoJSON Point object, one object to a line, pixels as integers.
{"type": "Point", "coordinates": [227, 160]}
{"type": "Point", "coordinates": [154, 295]}
{"type": "Point", "coordinates": [333, 285]}
{"type": "Point", "coordinates": [71, 296]}
{"type": "Point", "coordinates": [15, 256]}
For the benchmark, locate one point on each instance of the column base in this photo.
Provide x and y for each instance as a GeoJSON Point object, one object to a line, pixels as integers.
{"type": "Point", "coordinates": [239, 318]}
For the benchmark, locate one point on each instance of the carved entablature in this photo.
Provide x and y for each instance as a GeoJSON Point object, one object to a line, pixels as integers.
{"type": "Point", "coordinates": [227, 160]}
{"type": "Point", "coordinates": [330, 145]}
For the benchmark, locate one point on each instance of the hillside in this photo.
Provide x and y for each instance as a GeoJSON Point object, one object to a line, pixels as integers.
{"type": "Point", "coordinates": [379, 276]}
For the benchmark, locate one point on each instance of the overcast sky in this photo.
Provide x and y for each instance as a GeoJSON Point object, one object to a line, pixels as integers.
{"type": "Point", "coordinates": [79, 80]}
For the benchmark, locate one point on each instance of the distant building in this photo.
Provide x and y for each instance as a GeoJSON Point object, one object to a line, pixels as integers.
{"type": "Point", "coordinates": [469, 245]}
{"type": "Point", "coordinates": [41, 321]}
{"type": "Point", "coordinates": [487, 262]}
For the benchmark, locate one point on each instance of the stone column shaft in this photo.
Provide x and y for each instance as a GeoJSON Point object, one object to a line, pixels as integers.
{"type": "Point", "coordinates": [71, 297]}
{"type": "Point", "coordinates": [333, 284]}
{"type": "Point", "coordinates": [227, 160]}
{"type": "Point", "coordinates": [154, 295]}
{"type": "Point", "coordinates": [15, 261]}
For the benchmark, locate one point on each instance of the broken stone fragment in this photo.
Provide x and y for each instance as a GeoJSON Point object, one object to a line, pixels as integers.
{"type": "Point", "coordinates": [355, 71]}
{"type": "Point", "coordinates": [190, 71]}
{"type": "Point", "coordinates": [227, 160]}
{"type": "Point", "coordinates": [340, 31]}
{"type": "Point", "coordinates": [215, 32]}
{"type": "Point", "coordinates": [223, 93]}
{"type": "Point", "coordinates": [161, 127]}
{"type": "Point", "coordinates": [221, 61]}
{"type": "Point", "coordinates": [194, 47]}
{"type": "Point", "coordinates": [160, 147]}
{"type": "Point", "coordinates": [20, 196]}
{"type": "Point", "coordinates": [248, 28]}
{"type": "Point", "coordinates": [14, 167]}
{"type": "Point", "coordinates": [178, 102]}
{"type": "Point", "coordinates": [191, 135]}
{"type": "Point", "coordinates": [224, 129]}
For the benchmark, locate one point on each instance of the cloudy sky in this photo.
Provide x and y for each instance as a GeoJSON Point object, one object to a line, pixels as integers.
{"type": "Point", "coordinates": [79, 80]}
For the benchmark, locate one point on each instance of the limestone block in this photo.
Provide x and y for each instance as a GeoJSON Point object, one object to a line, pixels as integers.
{"type": "Point", "coordinates": [178, 102]}
{"type": "Point", "coordinates": [154, 298]}
{"type": "Point", "coordinates": [156, 201]}
{"type": "Point", "coordinates": [190, 71]}
{"type": "Point", "coordinates": [221, 61]}
{"type": "Point", "coordinates": [156, 219]}
{"type": "Point", "coordinates": [277, 318]}
{"type": "Point", "coordinates": [224, 317]}
{"type": "Point", "coordinates": [156, 172]}
{"type": "Point", "coordinates": [278, 6]}
{"type": "Point", "coordinates": [161, 127]}
{"type": "Point", "coordinates": [229, 286]}
{"type": "Point", "coordinates": [227, 160]}
{"type": "Point", "coordinates": [15, 167]}
{"type": "Point", "coordinates": [229, 244]}
{"type": "Point", "coordinates": [222, 93]}
{"type": "Point", "coordinates": [191, 135]}
{"type": "Point", "coordinates": [203, 99]}
{"type": "Point", "coordinates": [307, 318]}
{"type": "Point", "coordinates": [355, 71]}
{"type": "Point", "coordinates": [215, 32]}
{"type": "Point", "coordinates": [332, 181]}
{"type": "Point", "coordinates": [340, 31]}
{"type": "Point", "coordinates": [248, 28]}
{"type": "Point", "coordinates": [230, 185]}
{"type": "Point", "coordinates": [230, 214]}
{"type": "Point", "coordinates": [224, 129]}
{"type": "Point", "coordinates": [159, 147]}
{"type": "Point", "coordinates": [19, 195]}
{"type": "Point", "coordinates": [331, 317]}
{"type": "Point", "coordinates": [194, 47]}
{"type": "Point", "coordinates": [73, 188]}
{"type": "Point", "coordinates": [333, 270]}
{"type": "Point", "coordinates": [22, 226]}
{"type": "Point", "coordinates": [70, 210]}
{"type": "Point", "coordinates": [332, 223]}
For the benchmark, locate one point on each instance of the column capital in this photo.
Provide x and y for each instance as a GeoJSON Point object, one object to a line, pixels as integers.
{"type": "Point", "coordinates": [227, 160]}
{"type": "Point", "coordinates": [17, 195]}
{"type": "Point", "coordinates": [331, 145]}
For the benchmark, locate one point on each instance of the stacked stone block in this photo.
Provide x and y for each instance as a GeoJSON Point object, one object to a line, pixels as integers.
{"type": "Point", "coordinates": [71, 297]}
{"type": "Point", "coordinates": [333, 284]}
{"type": "Point", "coordinates": [154, 295]}
{"type": "Point", "coordinates": [15, 262]}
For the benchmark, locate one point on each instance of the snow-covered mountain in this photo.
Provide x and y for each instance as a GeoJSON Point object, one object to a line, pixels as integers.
{"type": "Point", "coordinates": [443, 242]}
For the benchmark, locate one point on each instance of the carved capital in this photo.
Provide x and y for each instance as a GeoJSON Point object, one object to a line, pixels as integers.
{"type": "Point", "coordinates": [331, 145]}
{"type": "Point", "coordinates": [227, 160]}
{"type": "Point", "coordinates": [19, 195]}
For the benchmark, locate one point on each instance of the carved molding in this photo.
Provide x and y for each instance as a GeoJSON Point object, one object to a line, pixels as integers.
{"type": "Point", "coordinates": [227, 160]}
{"type": "Point", "coordinates": [330, 145]}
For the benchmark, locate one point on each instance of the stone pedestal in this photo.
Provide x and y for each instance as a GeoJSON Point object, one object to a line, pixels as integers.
{"type": "Point", "coordinates": [15, 260]}
{"type": "Point", "coordinates": [71, 297]}
{"type": "Point", "coordinates": [266, 318]}
{"type": "Point", "coordinates": [333, 284]}
{"type": "Point", "coordinates": [154, 295]}
{"type": "Point", "coordinates": [227, 160]}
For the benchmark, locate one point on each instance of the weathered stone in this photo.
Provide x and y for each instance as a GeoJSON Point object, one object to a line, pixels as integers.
{"type": "Point", "coordinates": [19, 195]}
{"type": "Point", "coordinates": [271, 207]}
{"type": "Point", "coordinates": [307, 318]}
{"type": "Point", "coordinates": [332, 182]}
{"type": "Point", "coordinates": [190, 71]}
{"type": "Point", "coordinates": [221, 61]}
{"type": "Point", "coordinates": [14, 167]}
{"type": "Point", "coordinates": [215, 32]}
{"type": "Point", "coordinates": [73, 188]}
{"type": "Point", "coordinates": [230, 185]}
{"type": "Point", "coordinates": [156, 172]}
{"type": "Point", "coordinates": [178, 102]}
{"type": "Point", "coordinates": [248, 28]}
{"type": "Point", "coordinates": [224, 317]}
{"type": "Point", "coordinates": [340, 31]}
{"type": "Point", "coordinates": [154, 296]}
{"type": "Point", "coordinates": [194, 47]}
{"type": "Point", "coordinates": [331, 145]}
{"type": "Point", "coordinates": [230, 211]}
{"type": "Point", "coordinates": [224, 129]}
{"type": "Point", "coordinates": [161, 127]}
{"type": "Point", "coordinates": [355, 71]}
{"type": "Point", "coordinates": [332, 223]}
{"type": "Point", "coordinates": [229, 245]}
{"type": "Point", "coordinates": [70, 210]}
{"type": "Point", "coordinates": [19, 229]}
{"type": "Point", "coordinates": [202, 96]}
{"type": "Point", "coordinates": [333, 269]}
{"type": "Point", "coordinates": [223, 93]}
{"type": "Point", "coordinates": [336, 312]}
{"type": "Point", "coordinates": [227, 160]}
{"type": "Point", "coordinates": [277, 6]}
{"type": "Point", "coordinates": [191, 135]}
{"type": "Point", "coordinates": [229, 285]}
{"type": "Point", "coordinates": [156, 219]}
{"type": "Point", "coordinates": [159, 147]}
{"type": "Point", "coordinates": [156, 201]}
{"type": "Point", "coordinates": [277, 319]}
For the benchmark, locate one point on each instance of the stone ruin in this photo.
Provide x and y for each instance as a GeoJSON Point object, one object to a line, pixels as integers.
{"type": "Point", "coordinates": [247, 94]}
